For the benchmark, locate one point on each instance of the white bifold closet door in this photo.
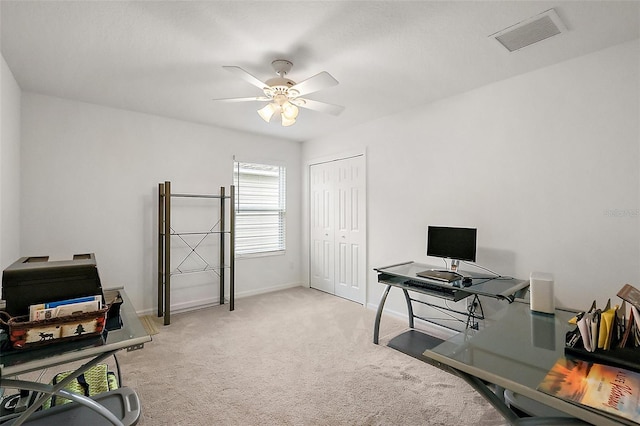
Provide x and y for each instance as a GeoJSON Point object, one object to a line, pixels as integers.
{"type": "Point", "coordinates": [338, 228]}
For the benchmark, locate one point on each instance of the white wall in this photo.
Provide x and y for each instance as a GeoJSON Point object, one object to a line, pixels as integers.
{"type": "Point", "coordinates": [545, 165]}
{"type": "Point", "coordinates": [9, 167]}
{"type": "Point", "coordinates": [90, 178]}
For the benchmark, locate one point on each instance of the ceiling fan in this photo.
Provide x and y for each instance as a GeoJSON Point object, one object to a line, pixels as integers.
{"type": "Point", "coordinates": [284, 95]}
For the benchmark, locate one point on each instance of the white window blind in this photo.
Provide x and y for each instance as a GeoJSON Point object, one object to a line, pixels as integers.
{"type": "Point", "coordinates": [260, 208]}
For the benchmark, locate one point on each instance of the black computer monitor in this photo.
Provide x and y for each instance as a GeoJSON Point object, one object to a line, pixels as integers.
{"type": "Point", "coordinates": [452, 243]}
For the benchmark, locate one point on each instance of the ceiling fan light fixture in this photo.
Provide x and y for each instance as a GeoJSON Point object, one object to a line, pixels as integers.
{"type": "Point", "coordinates": [267, 111]}
{"type": "Point", "coordinates": [282, 94]}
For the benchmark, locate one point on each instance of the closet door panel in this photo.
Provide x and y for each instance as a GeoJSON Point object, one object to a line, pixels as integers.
{"type": "Point", "coordinates": [350, 235]}
{"type": "Point", "coordinates": [322, 232]}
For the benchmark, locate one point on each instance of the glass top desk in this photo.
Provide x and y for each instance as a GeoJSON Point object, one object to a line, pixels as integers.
{"type": "Point", "coordinates": [515, 353]}
{"type": "Point", "coordinates": [131, 335]}
{"type": "Point", "coordinates": [405, 276]}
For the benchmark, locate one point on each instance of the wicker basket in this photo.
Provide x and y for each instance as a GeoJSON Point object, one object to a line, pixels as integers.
{"type": "Point", "coordinates": [24, 333]}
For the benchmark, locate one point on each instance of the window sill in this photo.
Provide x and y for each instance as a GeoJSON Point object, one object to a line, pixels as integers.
{"type": "Point", "coordinates": [262, 254]}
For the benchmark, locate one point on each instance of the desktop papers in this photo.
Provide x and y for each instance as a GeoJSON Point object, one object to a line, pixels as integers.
{"type": "Point", "coordinates": [63, 308]}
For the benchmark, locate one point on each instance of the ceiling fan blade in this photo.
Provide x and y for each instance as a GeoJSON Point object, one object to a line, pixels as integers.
{"type": "Point", "coordinates": [318, 106]}
{"type": "Point", "coordinates": [246, 76]}
{"type": "Point", "coordinates": [255, 98]}
{"type": "Point", "coordinates": [313, 84]}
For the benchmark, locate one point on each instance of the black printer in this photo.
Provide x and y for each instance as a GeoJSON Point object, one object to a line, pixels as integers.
{"type": "Point", "coordinates": [33, 280]}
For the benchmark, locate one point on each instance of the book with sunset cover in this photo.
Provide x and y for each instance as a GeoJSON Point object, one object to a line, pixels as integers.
{"type": "Point", "coordinates": [611, 389]}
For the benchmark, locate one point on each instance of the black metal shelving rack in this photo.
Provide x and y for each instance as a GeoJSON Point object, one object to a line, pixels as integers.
{"type": "Point", "coordinates": [165, 232]}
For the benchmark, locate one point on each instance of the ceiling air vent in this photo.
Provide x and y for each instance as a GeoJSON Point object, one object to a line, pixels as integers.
{"type": "Point", "coordinates": [535, 29]}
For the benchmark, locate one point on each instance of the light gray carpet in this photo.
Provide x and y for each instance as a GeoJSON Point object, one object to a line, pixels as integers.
{"type": "Point", "coordinates": [293, 357]}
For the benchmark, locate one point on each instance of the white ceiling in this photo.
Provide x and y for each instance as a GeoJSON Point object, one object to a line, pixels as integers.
{"type": "Point", "coordinates": [166, 57]}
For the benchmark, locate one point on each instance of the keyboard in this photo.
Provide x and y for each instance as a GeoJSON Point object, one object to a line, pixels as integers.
{"type": "Point", "coordinates": [432, 288]}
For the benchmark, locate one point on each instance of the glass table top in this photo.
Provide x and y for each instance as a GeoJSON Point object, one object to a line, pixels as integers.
{"type": "Point", "coordinates": [130, 334]}
{"type": "Point", "coordinates": [483, 284]}
{"type": "Point", "coordinates": [516, 352]}
{"type": "Point", "coordinates": [520, 345]}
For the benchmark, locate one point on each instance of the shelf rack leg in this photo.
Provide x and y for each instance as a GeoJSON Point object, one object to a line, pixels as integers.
{"type": "Point", "coordinates": [160, 248]}
{"type": "Point", "coordinates": [232, 247]}
{"type": "Point", "coordinates": [222, 245]}
{"type": "Point", "coordinates": [167, 253]}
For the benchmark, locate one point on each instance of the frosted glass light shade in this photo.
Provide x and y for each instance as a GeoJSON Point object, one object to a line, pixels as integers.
{"type": "Point", "coordinates": [267, 111]}
{"type": "Point", "coordinates": [289, 110]}
{"type": "Point", "coordinates": [287, 121]}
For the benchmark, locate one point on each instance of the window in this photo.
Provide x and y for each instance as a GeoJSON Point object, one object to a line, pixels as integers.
{"type": "Point", "coordinates": [260, 208]}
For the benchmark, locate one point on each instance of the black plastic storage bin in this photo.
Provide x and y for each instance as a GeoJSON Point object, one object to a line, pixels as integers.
{"type": "Point", "coordinates": [32, 280]}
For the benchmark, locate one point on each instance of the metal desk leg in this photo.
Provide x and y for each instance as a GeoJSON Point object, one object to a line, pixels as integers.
{"type": "Point", "coordinates": [376, 326]}
{"type": "Point", "coordinates": [509, 415]}
{"type": "Point", "coordinates": [488, 395]}
{"type": "Point", "coordinates": [58, 389]}
{"type": "Point", "coordinates": [48, 390]}
{"type": "Point", "coordinates": [409, 307]}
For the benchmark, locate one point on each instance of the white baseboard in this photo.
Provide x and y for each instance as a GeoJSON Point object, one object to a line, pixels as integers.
{"type": "Point", "coordinates": [399, 315]}
{"type": "Point", "coordinates": [267, 290]}
{"type": "Point", "coordinates": [215, 301]}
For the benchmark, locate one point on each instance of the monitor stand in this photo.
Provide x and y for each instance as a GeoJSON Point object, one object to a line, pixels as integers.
{"type": "Point", "coordinates": [454, 265]}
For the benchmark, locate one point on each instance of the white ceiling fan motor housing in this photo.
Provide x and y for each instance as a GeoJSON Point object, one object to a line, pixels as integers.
{"type": "Point", "coordinates": [280, 85]}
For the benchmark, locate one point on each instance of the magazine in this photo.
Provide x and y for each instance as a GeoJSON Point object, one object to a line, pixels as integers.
{"type": "Point", "coordinates": [611, 389]}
